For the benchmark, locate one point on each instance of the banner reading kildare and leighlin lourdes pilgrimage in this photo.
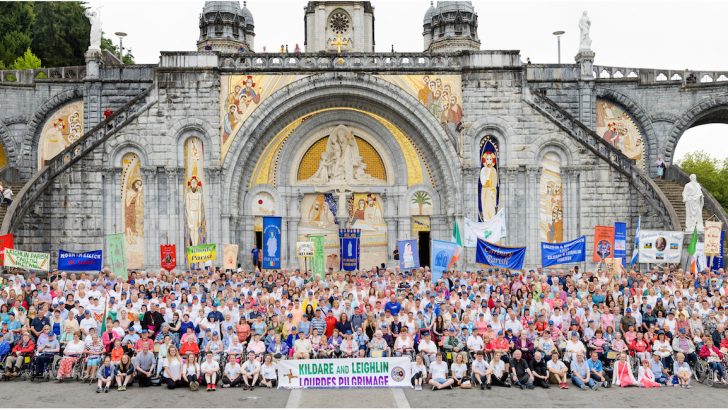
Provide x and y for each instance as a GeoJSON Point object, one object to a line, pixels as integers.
{"type": "Point", "coordinates": [500, 256]}
{"type": "Point", "coordinates": [271, 242]}
{"type": "Point", "coordinates": [349, 249]}
{"type": "Point", "coordinates": [27, 260]}
{"type": "Point", "coordinates": [344, 373]}
{"type": "Point", "coordinates": [80, 262]}
{"type": "Point", "coordinates": [660, 246]}
{"type": "Point", "coordinates": [565, 252]}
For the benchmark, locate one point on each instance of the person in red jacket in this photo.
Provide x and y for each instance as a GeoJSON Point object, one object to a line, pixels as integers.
{"type": "Point", "coordinates": [330, 324]}
{"type": "Point", "coordinates": [23, 349]}
{"type": "Point", "coordinates": [640, 347]}
{"type": "Point", "coordinates": [714, 357]}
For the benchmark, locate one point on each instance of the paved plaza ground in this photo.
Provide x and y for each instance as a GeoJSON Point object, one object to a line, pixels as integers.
{"type": "Point", "coordinates": [73, 394]}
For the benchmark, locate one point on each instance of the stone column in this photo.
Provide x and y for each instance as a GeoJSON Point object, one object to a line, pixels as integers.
{"type": "Point", "coordinates": [246, 234]}
{"type": "Point", "coordinates": [532, 219]}
{"type": "Point", "coordinates": [108, 198]}
{"type": "Point", "coordinates": [572, 202]}
{"type": "Point", "coordinates": [174, 204]}
{"type": "Point", "coordinates": [585, 61]}
{"type": "Point", "coordinates": [151, 217]}
{"type": "Point", "coordinates": [514, 211]}
{"type": "Point", "coordinates": [212, 205]}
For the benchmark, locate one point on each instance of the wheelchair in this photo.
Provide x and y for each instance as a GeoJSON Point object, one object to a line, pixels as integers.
{"type": "Point", "coordinates": [704, 374]}
{"type": "Point", "coordinates": [41, 374]}
{"type": "Point", "coordinates": [76, 370]}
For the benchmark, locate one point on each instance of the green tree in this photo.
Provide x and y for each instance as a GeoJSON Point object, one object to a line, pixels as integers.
{"type": "Point", "coordinates": [60, 33]}
{"type": "Point", "coordinates": [16, 22]}
{"type": "Point", "coordinates": [710, 172]}
{"type": "Point", "coordinates": [27, 61]}
{"type": "Point", "coordinates": [108, 44]}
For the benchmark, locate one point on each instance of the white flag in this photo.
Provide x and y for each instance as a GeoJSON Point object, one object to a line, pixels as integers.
{"type": "Point", "coordinates": [492, 230]}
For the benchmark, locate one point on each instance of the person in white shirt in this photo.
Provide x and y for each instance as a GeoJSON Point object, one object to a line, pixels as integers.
{"type": "Point", "coordinates": [480, 371]}
{"type": "Point", "coordinates": [302, 347]}
{"type": "Point", "coordinates": [419, 372]}
{"type": "Point", "coordinates": [438, 371]}
{"type": "Point", "coordinates": [427, 348]}
{"type": "Point", "coordinates": [268, 374]}
{"type": "Point", "coordinates": [209, 368]}
{"type": "Point", "coordinates": [251, 372]}
{"type": "Point", "coordinates": [232, 375]}
{"type": "Point", "coordinates": [475, 343]}
{"type": "Point", "coordinates": [191, 373]}
{"type": "Point", "coordinates": [499, 375]}
{"type": "Point", "coordinates": [458, 371]}
{"type": "Point", "coordinates": [557, 369]}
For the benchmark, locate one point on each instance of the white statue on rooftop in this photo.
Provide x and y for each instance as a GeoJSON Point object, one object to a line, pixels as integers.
{"type": "Point", "coordinates": [95, 35]}
{"type": "Point", "coordinates": [584, 27]}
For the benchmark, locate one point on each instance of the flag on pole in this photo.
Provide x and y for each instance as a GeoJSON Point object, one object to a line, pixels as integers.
{"type": "Point", "coordinates": [456, 234]}
{"type": "Point", "coordinates": [692, 247]}
{"type": "Point", "coordinates": [636, 248]}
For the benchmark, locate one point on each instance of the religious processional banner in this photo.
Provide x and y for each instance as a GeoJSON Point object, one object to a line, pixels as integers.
{"type": "Point", "coordinates": [712, 237]}
{"type": "Point", "coordinates": [229, 256]}
{"type": "Point", "coordinates": [620, 242]}
{"type": "Point", "coordinates": [201, 253]}
{"type": "Point", "coordinates": [6, 241]}
{"type": "Point", "coordinates": [660, 246]}
{"type": "Point", "coordinates": [318, 260]}
{"type": "Point", "coordinates": [271, 242]}
{"type": "Point", "coordinates": [349, 249]}
{"type": "Point", "coordinates": [564, 252]}
{"type": "Point", "coordinates": [492, 230]}
{"type": "Point", "coordinates": [717, 261]}
{"type": "Point", "coordinates": [344, 373]}
{"type": "Point", "coordinates": [116, 254]}
{"type": "Point", "coordinates": [80, 262]}
{"type": "Point", "coordinates": [442, 257]}
{"type": "Point", "coordinates": [500, 256]}
{"type": "Point", "coordinates": [168, 256]}
{"type": "Point", "coordinates": [27, 260]}
{"type": "Point", "coordinates": [603, 243]}
{"type": "Point", "coordinates": [409, 254]}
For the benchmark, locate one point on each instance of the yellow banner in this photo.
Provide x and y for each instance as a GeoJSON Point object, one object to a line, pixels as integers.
{"type": "Point", "coordinates": [201, 253]}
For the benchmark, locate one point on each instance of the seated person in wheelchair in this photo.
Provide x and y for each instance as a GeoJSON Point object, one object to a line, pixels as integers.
{"type": "Point", "coordinates": [45, 352]}
{"type": "Point", "coordinates": [348, 346]}
{"type": "Point", "coordinates": [278, 348]}
{"type": "Point", "coordinates": [714, 357]}
{"type": "Point", "coordinates": [661, 373]}
{"type": "Point", "coordinates": [452, 344]}
{"type": "Point", "coordinates": [683, 344]}
{"type": "Point", "coordinates": [404, 344]}
{"type": "Point", "coordinates": [640, 347]}
{"type": "Point", "coordinates": [427, 348]}
{"type": "Point", "coordinates": [71, 354]}
{"type": "Point", "coordinates": [302, 346]}
{"type": "Point", "coordinates": [23, 349]}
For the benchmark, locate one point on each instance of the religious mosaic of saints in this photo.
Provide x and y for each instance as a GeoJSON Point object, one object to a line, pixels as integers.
{"type": "Point", "coordinates": [319, 211]}
{"type": "Point", "coordinates": [551, 210]}
{"type": "Point", "coordinates": [242, 98]}
{"type": "Point", "coordinates": [441, 100]}
{"type": "Point", "coordinates": [132, 191]}
{"type": "Point", "coordinates": [619, 129]}
{"type": "Point", "coordinates": [194, 198]}
{"type": "Point", "coordinates": [365, 212]}
{"type": "Point", "coordinates": [60, 130]}
{"type": "Point", "coordinates": [488, 183]}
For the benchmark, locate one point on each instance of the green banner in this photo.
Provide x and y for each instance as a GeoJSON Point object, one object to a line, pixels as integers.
{"type": "Point", "coordinates": [317, 262]}
{"type": "Point", "coordinates": [116, 255]}
{"type": "Point", "coordinates": [201, 253]}
{"type": "Point", "coordinates": [27, 260]}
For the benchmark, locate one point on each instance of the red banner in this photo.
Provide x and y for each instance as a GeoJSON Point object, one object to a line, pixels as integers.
{"type": "Point", "coordinates": [6, 241]}
{"type": "Point", "coordinates": [603, 243]}
{"type": "Point", "coordinates": [168, 256]}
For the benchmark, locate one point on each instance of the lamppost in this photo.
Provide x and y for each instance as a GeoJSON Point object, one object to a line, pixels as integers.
{"type": "Point", "coordinates": [121, 36]}
{"type": "Point", "coordinates": [558, 35]}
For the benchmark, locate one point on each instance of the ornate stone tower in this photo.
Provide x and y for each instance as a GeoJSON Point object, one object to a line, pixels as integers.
{"type": "Point", "coordinates": [450, 26]}
{"type": "Point", "coordinates": [224, 26]}
{"type": "Point", "coordinates": [348, 25]}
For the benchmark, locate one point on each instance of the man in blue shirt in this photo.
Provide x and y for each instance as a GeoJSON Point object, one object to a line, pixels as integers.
{"type": "Point", "coordinates": [393, 305]}
{"type": "Point", "coordinates": [597, 369]}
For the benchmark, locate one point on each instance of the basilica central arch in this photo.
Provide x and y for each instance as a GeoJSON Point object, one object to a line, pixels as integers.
{"type": "Point", "coordinates": [407, 156]}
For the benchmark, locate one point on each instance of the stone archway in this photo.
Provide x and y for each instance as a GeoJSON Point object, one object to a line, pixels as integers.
{"type": "Point", "coordinates": [706, 111]}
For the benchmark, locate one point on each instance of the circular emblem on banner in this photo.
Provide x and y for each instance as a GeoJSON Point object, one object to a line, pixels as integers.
{"type": "Point", "coordinates": [397, 373]}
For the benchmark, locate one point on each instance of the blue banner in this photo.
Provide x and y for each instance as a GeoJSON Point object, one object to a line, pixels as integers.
{"type": "Point", "coordinates": [331, 202]}
{"type": "Point", "coordinates": [564, 252]}
{"type": "Point", "coordinates": [83, 261]}
{"type": "Point", "coordinates": [620, 242]}
{"type": "Point", "coordinates": [442, 257]}
{"type": "Point", "coordinates": [349, 249]}
{"type": "Point", "coordinates": [409, 254]}
{"type": "Point", "coordinates": [500, 256]}
{"type": "Point", "coordinates": [718, 261]}
{"type": "Point", "coordinates": [271, 242]}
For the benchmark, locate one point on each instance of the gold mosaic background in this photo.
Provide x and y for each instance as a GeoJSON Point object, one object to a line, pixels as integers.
{"type": "Point", "coordinates": [312, 157]}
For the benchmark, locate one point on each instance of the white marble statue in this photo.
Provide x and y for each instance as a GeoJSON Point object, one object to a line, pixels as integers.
{"type": "Point", "coordinates": [693, 198]}
{"type": "Point", "coordinates": [584, 27]}
{"type": "Point", "coordinates": [340, 162]}
{"type": "Point", "coordinates": [93, 18]}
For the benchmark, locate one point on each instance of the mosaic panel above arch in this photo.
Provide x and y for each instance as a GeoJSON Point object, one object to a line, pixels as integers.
{"type": "Point", "coordinates": [619, 128]}
{"type": "Point", "coordinates": [62, 128]}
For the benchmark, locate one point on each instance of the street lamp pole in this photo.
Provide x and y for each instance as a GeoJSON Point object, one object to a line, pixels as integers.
{"type": "Point", "coordinates": [558, 35]}
{"type": "Point", "coordinates": [121, 36]}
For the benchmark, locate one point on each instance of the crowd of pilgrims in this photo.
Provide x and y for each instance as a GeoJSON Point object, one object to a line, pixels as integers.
{"type": "Point", "coordinates": [467, 329]}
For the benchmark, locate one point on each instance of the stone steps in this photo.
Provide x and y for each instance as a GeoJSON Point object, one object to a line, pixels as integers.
{"type": "Point", "coordinates": [673, 192]}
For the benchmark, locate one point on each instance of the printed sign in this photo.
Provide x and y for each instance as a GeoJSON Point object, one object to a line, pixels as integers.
{"type": "Point", "coordinates": [84, 261]}
{"type": "Point", "coordinates": [500, 256]}
{"type": "Point", "coordinates": [271, 242]}
{"type": "Point", "coordinates": [603, 243]}
{"type": "Point", "coordinates": [565, 252]}
{"type": "Point", "coordinates": [409, 254]}
{"type": "Point", "coordinates": [344, 373]}
{"type": "Point", "coordinates": [201, 253]}
{"type": "Point", "coordinates": [27, 260]}
{"type": "Point", "coordinates": [116, 254]}
{"type": "Point", "coordinates": [168, 256]}
{"type": "Point", "coordinates": [229, 256]}
{"type": "Point", "coordinates": [712, 237]}
{"type": "Point", "coordinates": [6, 241]}
{"type": "Point", "coordinates": [660, 246]}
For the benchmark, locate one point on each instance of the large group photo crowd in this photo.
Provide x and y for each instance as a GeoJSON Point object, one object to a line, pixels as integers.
{"type": "Point", "coordinates": [476, 329]}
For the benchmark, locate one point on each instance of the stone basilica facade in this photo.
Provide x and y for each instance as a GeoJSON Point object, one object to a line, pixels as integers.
{"type": "Point", "coordinates": [200, 147]}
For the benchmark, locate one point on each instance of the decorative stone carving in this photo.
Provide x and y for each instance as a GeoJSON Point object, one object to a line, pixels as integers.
{"type": "Point", "coordinates": [95, 35]}
{"type": "Point", "coordinates": [584, 27]}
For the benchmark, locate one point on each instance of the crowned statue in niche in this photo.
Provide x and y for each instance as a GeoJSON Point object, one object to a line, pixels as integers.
{"type": "Point", "coordinates": [341, 163]}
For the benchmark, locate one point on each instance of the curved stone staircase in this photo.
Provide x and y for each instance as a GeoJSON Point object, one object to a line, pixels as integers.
{"type": "Point", "coordinates": [590, 140]}
{"type": "Point", "coordinates": [26, 197]}
{"type": "Point", "coordinates": [672, 186]}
